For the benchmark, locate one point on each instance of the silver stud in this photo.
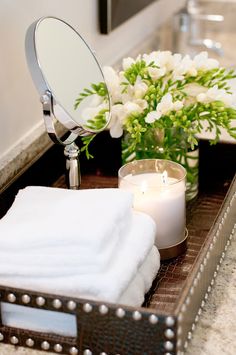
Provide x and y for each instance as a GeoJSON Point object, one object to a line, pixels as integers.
{"type": "Point", "coordinates": [1, 337]}
{"type": "Point", "coordinates": [199, 311]}
{"type": "Point", "coordinates": [170, 321]}
{"type": "Point", "coordinates": [103, 353]}
{"type": "Point", "coordinates": [215, 274]}
{"type": "Point", "coordinates": [209, 289]}
{"type": "Point", "coordinates": [29, 342]}
{"type": "Point", "coordinates": [180, 318]}
{"type": "Point", "coordinates": [185, 345]}
{"type": "Point", "coordinates": [205, 261]}
{"type": "Point", "coordinates": [137, 315]}
{"type": "Point", "coordinates": [169, 333]}
{"type": "Point", "coordinates": [153, 319]}
{"type": "Point", "coordinates": [58, 348]}
{"type": "Point", "coordinates": [71, 305]}
{"type": "Point", "coordinates": [206, 296]}
{"type": "Point", "coordinates": [40, 301]}
{"type": "Point", "coordinates": [203, 304]}
{"type": "Point", "coordinates": [180, 330]}
{"type": "Point", "coordinates": [211, 246]}
{"type": "Point", "coordinates": [87, 307]}
{"type": "Point", "coordinates": [217, 267]}
{"type": "Point", "coordinates": [14, 340]}
{"type": "Point", "coordinates": [87, 352]}
{"type": "Point", "coordinates": [201, 267]}
{"type": "Point", "coordinates": [11, 297]}
{"type": "Point", "coordinates": [212, 282]}
{"type": "Point", "coordinates": [179, 343]}
{"type": "Point", "coordinates": [57, 303]}
{"type": "Point", "coordinates": [196, 318]}
{"type": "Point", "coordinates": [45, 345]}
{"type": "Point", "coordinates": [73, 351]}
{"type": "Point", "coordinates": [25, 299]}
{"type": "Point", "coordinates": [191, 291]}
{"type": "Point", "coordinates": [220, 226]}
{"type": "Point", "coordinates": [193, 327]}
{"type": "Point", "coordinates": [183, 308]}
{"type": "Point", "coordinates": [195, 282]}
{"type": "Point", "coordinates": [187, 300]}
{"type": "Point", "coordinates": [103, 309]}
{"type": "Point", "coordinates": [120, 312]}
{"type": "Point", "coordinates": [168, 345]}
{"type": "Point", "coordinates": [189, 335]}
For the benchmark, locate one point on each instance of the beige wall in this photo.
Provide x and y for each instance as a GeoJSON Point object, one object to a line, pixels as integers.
{"type": "Point", "coordinates": [20, 111]}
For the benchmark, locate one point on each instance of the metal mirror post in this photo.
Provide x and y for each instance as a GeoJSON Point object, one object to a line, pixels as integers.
{"type": "Point", "coordinates": [62, 65]}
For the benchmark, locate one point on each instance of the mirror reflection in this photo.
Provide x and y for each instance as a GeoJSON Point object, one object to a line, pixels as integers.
{"type": "Point", "coordinates": [66, 66]}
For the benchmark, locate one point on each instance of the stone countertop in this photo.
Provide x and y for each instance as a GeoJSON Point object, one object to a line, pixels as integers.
{"type": "Point", "coordinates": [216, 329]}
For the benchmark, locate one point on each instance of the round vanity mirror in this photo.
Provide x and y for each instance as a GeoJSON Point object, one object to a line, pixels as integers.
{"type": "Point", "coordinates": [62, 65]}
{"type": "Point", "coordinates": [70, 83]}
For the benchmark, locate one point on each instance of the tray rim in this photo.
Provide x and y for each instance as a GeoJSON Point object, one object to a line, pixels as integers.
{"type": "Point", "coordinates": [173, 321]}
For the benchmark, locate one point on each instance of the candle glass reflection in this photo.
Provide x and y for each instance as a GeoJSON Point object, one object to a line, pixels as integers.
{"type": "Point", "coordinates": [159, 188]}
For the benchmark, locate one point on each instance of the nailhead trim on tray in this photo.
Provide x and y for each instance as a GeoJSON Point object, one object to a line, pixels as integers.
{"type": "Point", "coordinates": [196, 280]}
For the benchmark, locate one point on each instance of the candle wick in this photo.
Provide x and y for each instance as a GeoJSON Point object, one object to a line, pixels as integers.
{"type": "Point", "coordinates": [164, 177]}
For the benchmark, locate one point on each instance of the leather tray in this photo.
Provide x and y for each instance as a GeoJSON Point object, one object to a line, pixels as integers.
{"type": "Point", "coordinates": [172, 308]}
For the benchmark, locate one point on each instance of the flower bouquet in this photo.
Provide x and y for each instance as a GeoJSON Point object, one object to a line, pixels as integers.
{"type": "Point", "coordinates": [160, 102]}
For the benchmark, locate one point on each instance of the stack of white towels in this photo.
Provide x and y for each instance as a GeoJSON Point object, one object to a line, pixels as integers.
{"type": "Point", "coordinates": [86, 243]}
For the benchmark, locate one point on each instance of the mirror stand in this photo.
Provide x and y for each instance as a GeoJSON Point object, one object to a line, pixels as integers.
{"type": "Point", "coordinates": [73, 176]}
{"type": "Point", "coordinates": [71, 150]}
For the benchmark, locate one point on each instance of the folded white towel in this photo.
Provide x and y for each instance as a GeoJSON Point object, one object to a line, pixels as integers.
{"type": "Point", "coordinates": [65, 324]}
{"type": "Point", "coordinates": [106, 286]}
{"type": "Point", "coordinates": [142, 281]}
{"type": "Point", "coordinates": [41, 215]}
{"type": "Point", "coordinates": [57, 260]}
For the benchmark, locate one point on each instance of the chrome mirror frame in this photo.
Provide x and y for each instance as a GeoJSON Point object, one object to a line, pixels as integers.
{"type": "Point", "coordinates": [50, 104]}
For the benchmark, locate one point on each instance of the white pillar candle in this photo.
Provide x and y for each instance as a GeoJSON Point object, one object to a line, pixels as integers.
{"type": "Point", "coordinates": [159, 195]}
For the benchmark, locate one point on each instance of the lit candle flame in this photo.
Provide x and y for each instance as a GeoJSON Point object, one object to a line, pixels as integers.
{"type": "Point", "coordinates": [164, 177]}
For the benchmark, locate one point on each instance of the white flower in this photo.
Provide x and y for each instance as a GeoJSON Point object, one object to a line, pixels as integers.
{"type": "Point", "coordinates": [202, 62]}
{"type": "Point", "coordinates": [194, 89]}
{"type": "Point", "coordinates": [89, 113]}
{"type": "Point", "coordinates": [164, 62]}
{"type": "Point", "coordinates": [141, 103]}
{"type": "Point", "coordinates": [151, 58]}
{"type": "Point", "coordinates": [215, 94]}
{"type": "Point", "coordinates": [140, 88]}
{"type": "Point", "coordinates": [164, 107]}
{"type": "Point", "coordinates": [184, 66]}
{"type": "Point", "coordinates": [116, 122]}
{"type": "Point", "coordinates": [153, 116]}
{"type": "Point", "coordinates": [165, 104]}
{"type": "Point", "coordinates": [95, 100]}
{"type": "Point", "coordinates": [119, 113]}
{"type": "Point", "coordinates": [156, 73]}
{"type": "Point", "coordinates": [113, 83]}
{"type": "Point", "coordinates": [127, 62]}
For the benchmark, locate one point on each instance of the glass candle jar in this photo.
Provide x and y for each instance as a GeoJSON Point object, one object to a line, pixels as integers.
{"type": "Point", "coordinates": [159, 188]}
